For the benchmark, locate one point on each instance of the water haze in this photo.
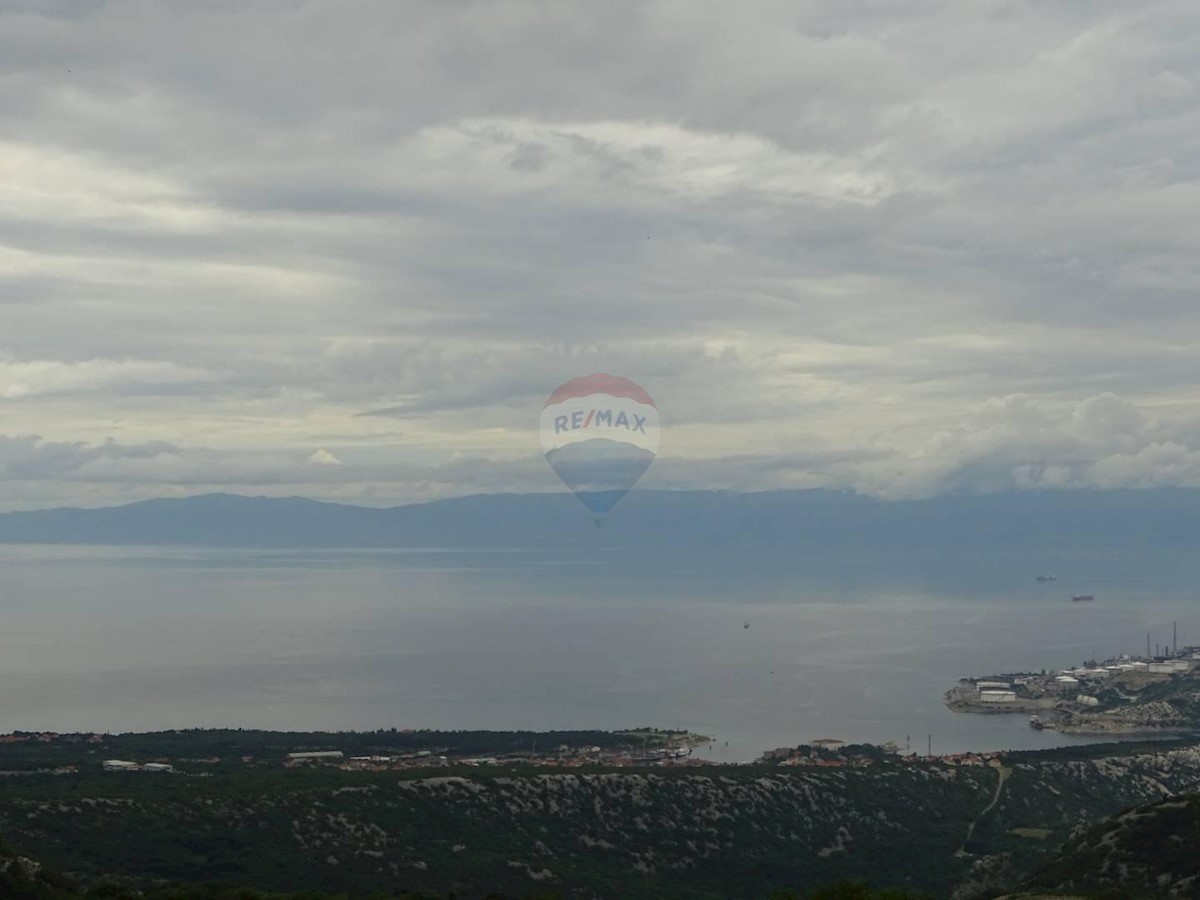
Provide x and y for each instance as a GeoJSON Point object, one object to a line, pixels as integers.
{"type": "Point", "coordinates": [857, 648]}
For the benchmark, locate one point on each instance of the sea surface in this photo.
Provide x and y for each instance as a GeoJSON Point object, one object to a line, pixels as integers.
{"type": "Point", "coordinates": [755, 652]}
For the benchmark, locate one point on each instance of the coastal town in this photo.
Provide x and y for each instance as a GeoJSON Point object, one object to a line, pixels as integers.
{"type": "Point", "coordinates": [674, 749]}
{"type": "Point", "coordinates": [647, 747]}
{"type": "Point", "coordinates": [829, 753]}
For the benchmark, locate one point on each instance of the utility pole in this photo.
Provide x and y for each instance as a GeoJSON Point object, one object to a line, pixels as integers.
{"type": "Point", "coordinates": [929, 752]}
{"type": "Point", "coordinates": [1174, 638]}
{"type": "Point", "coordinates": [1147, 644]}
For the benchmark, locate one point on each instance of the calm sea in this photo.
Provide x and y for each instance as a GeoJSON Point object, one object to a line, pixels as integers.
{"type": "Point", "coordinates": [124, 639]}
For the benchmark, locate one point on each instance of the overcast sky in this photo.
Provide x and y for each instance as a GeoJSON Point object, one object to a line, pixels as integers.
{"type": "Point", "coordinates": [346, 249]}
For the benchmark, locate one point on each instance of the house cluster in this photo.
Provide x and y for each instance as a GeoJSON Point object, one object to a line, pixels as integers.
{"type": "Point", "coordinates": [57, 770]}
{"type": "Point", "coordinates": [965, 759]}
{"type": "Point", "coordinates": [830, 754]}
{"type": "Point", "coordinates": [49, 737]}
{"type": "Point", "coordinates": [556, 757]}
{"type": "Point", "coordinates": [124, 765]}
{"type": "Point", "coordinates": [371, 763]}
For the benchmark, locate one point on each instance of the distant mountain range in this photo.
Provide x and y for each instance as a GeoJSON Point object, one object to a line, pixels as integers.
{"type": "Point", "coordinates": [807, 523]}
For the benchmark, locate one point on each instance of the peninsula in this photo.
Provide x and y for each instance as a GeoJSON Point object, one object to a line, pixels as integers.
{"type": "Point", "coordinates": [1123, 695]}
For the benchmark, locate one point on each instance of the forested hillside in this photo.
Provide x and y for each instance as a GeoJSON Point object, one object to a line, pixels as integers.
{"type": "Point", "coordinates": [715, 832]}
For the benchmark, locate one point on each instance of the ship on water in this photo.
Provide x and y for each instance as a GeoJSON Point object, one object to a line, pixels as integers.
{"type": "Point", "coordinates": [1036, 724]}
{"type": "Point", "coordinates": [1047, 578]}
{"type": "Point", "coordinates": [1082, 598]}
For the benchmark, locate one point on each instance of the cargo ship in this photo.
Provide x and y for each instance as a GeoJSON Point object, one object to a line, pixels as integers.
{"type": "Point", "coordinates": [1082, 598]}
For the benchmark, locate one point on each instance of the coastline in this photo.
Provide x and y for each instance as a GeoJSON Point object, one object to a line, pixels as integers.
{"type": "Point", "coordinates": [1124, 696]}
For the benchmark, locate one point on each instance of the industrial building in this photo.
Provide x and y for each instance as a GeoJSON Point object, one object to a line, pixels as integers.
{"type": "Point", "coordinates": [997, 696]}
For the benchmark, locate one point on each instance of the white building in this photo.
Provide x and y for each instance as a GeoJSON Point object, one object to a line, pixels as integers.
{"type": "Point", "coordinates": [1086, 700]}
{"type": "Point", "coordinates": [997, 696]}
{"type": "Point", "coordinates": [158, 767]}
{"type": "Point", "coordinates": [993, 685]}
{"type": "Point", "coordinates": [1170, 667]}
{"type": "Point", "coordinates": [316, 755]}
{"type": "Point", "coordinates": [1067, 680]}
{"type": "Point", "coordinates": [120, 765]}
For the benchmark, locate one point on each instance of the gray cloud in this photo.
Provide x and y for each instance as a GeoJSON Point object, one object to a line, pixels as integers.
{"type": "Point", "coordinates": [904, 250]}
{"type": "Point", "coordinates": [1020, 443]}
{"type": "Point", "coordinates": [1014, 443]}
{"type": "Point", "coordinates": [29, 458]}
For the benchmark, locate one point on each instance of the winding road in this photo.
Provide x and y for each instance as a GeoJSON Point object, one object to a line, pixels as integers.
{"type": "Point", "coordinates": [1003, 773]}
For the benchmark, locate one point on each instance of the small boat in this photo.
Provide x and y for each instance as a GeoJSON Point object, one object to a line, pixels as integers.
{"type": "Point", "coordinates": [1082, 598]}
{"type": "Point", "coordinates": [1047, 578]}
{"type": "Point", "coordinates": [1036, 724]}
{"type": "Point", "coordinates": [745, 625]}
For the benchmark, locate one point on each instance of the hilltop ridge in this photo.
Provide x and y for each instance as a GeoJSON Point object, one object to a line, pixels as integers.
{"type": "Point", "coordinates": [951, 828]}
{"type": "Point", "coordinates": [1144, 853]}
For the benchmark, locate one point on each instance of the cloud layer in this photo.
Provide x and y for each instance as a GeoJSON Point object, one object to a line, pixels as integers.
{"type": "Point", "coordinates": [346, 250]}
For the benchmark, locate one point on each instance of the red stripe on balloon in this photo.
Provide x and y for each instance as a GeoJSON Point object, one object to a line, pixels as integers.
{"type": "Point", "coordinates": [600, 383]}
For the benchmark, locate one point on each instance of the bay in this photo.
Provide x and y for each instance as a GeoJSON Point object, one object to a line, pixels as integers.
{"type": "Point", "coordinates": [853, 647]}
